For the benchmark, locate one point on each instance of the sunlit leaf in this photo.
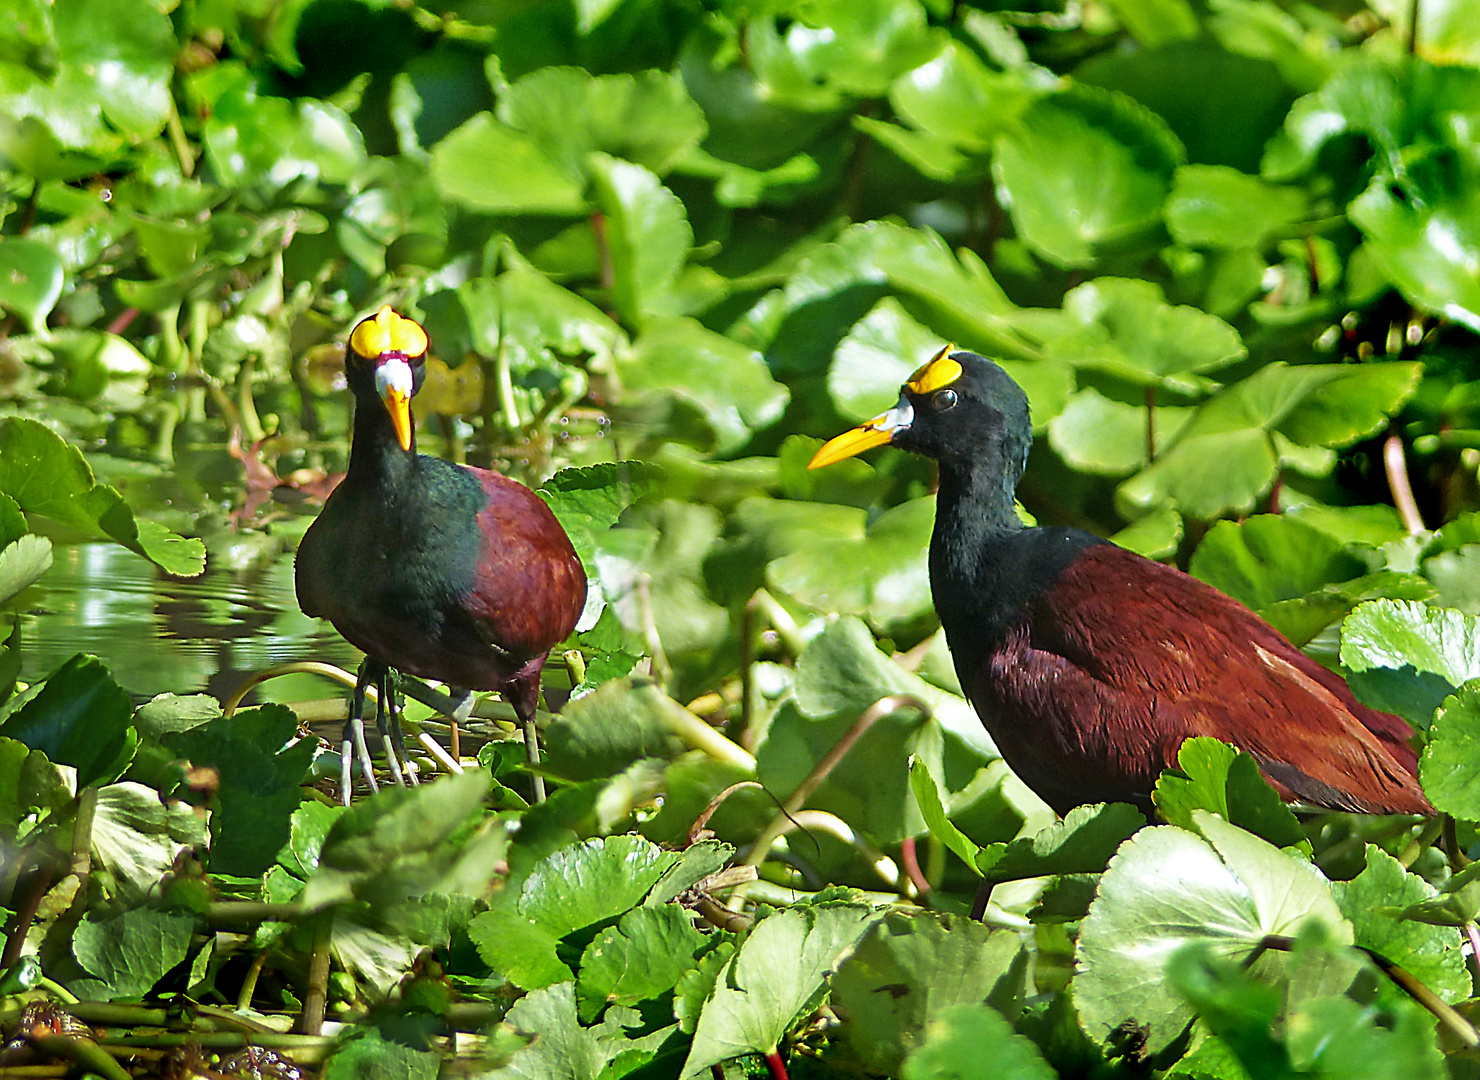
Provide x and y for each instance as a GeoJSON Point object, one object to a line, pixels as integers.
{"type": "Point", "coordinates": [1433, 954]}
{"type": "Point", "coordinates": [1168, 887]}
{"type": "Point", "coordinates": [1086, 173]}
{"type": "Point", "coordinates": [763, 989]}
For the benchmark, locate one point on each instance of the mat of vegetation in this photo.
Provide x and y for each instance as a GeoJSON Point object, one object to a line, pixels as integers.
{"type": "Point", "coordinates": [662, 248]}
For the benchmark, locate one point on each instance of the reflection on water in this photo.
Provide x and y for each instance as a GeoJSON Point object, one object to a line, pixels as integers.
{"type": "Point", "coordinates": [160, 634]}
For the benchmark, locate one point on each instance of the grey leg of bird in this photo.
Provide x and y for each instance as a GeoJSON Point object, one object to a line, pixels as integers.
{"type": "Point", "coordinates": [397, 746]}
{"type": "Point", "coordinates": [353, 741]}
{"type": "Point", "coordinates": [523, 693]}
{"type": "Point", "coordinates": [389, 724]}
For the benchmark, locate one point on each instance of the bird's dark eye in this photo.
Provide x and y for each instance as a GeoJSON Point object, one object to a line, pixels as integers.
{"type": "Point", "coordinates": [942, 400]}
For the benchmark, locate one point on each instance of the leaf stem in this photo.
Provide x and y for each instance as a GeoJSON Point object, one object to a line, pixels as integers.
{"type": "Point", "coordinates": [776, 1065]}
{"type": "Point", "coordinates": [885, 706]}
{"type": "Point", "coordinates": [1396, 465]}
{"type": "Point", "coordinates": [316, 993]}
{"type": "Point", "coordinates": [1403, 979]}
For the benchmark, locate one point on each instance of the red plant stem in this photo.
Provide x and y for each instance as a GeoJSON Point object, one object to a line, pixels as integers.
{"type": "Point", "coordinates": [911, 860]}
{"type": "Point", "coordinates": [776, 1065]}
{"type": "Point", "coordinates": [122, 320]}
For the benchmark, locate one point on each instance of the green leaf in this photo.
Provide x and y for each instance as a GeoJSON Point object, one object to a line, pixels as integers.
{"type": "Point", "coordinates": [648, 237]}
{"type": "Point", "coordinates": [647, 118]}
{"type": "Point", "coordinates": [603, 732]}
{"type": "Point", "coordinates": [769, 984]}
{"type": "Point", "coordinates": [488, 166]}
{"type": "Point", "coordinates": [1216, 777]}
{"type": "Point", "coordinates": [1096, 434]}
{"type": "Point", "coordinates": [561, 1049]}
{"type": "Point", "coordinates": [588, 501]}
{"type": "Point", "coordinates": [395, 823]}
{"type": "Point", "coordinates": [927, 798]}
{"type": "Point", "coordinates": [640, 958]}
{"type": "Point", "coordinates": [875, 359]}
{"type": "Point", "coordinates": [103, 80]}
{"type": "Point", "coordinates": [137, 838]}
{"type": "Point", "coordinates": [1156, 536]}
{"type": "Point", "coordinates": [31, 279]}
{"type": "Point", "coordinates": [22, 563]}
{"type": "Point", "coordinates": [1399, 633]}
{"type": "Point", "coordinates": [1218, 207]}
{"type": "Point", "coordinates": [1449, 769]}
{"type": "Point", "coordinates": [260, 763]}
{"type": "Point", "coordinates": [81, 718]}
{"type": "Point", "coordinates": [366, 1055]}
{"type": "Point", "coordinates": [1240, 1009]}
{"type": "Point", "coordinates": [1271, 557]}
{"type": "Point", "coordinates": [32, 790]}
{"type": "Point", "coordinates": [1230, 451]}
{"type": "Point", "coordinates": [651, 570]}
{"type": "Point", "coordinates": [1337, 1036]}
{"type": "Point", "coordinates": [842, 673]}
{"type": "Point", "coordinates": [1168, 887]}
{"type": "Point", "coordinates": [1082, 843]}
{"type": "Point", "coordinates": [959, 100]}
{"type": "Point", "coordinates": [255, 139]}
{"type": "Point", "coordinates": [307, 831]}
{"type": "Point", "coordinates": [882, 575]}
{"type": "Point", "coordinates": [727, 383]}
{"type": "Point", "coordinates": [859, 46]}
{"type": "Point", "coordinates": [1423, 231]}
{"type": "Point", "coordinates": [1456, 903]}
{"type": "Point", "coordinates": [1085, 173]}
{"type": "Point", "coordinates": [131, 950]}
{"type": "Point", "coordinates": [963, 1036]}
{"type": "Point", "coordinates": [1125, 327]}
{"type": "Point", "coordinates": [49, 477]}
{"type": "Point", "coordinates": [579, 886]}
{"type": "Point", "coordinates": [1433, 954]}
{"type": "Point", "coordinates": [910, 970]}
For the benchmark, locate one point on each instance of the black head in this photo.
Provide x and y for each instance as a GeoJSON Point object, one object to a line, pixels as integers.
{"type": "Point", "coordinates": [958, 408]}
{"type": "Point", "coordinates": [385, 360]}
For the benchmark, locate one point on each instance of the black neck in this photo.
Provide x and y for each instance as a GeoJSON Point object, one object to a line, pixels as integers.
{"type": "Point", "coordinates": [975, 507]}
{"type": "Point", "coordinates": [375, 453]}
{"type": "Point", "coordinates": [985, 564]}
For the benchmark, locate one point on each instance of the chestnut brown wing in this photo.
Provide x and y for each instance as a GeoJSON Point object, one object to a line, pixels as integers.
{"type": "Point", "coordinates": [1123, 658]}
{"type": "Point", "coordinates": [529, 586]}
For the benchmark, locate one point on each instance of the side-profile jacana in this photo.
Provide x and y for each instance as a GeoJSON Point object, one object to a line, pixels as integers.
{"type": "Point", "coordinates": [1089, 664]}
{"type": "Point", "coordinates": [444, 571]}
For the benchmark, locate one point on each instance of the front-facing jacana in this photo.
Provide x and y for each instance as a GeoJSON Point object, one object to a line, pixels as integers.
{"type": "Point", "coordinates": [443, 571]}
{"type": "Point", "coordinates": [1089, 664]}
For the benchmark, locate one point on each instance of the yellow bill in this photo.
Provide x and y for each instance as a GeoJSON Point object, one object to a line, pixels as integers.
{"type": "Point", "coordinates": [398, 404]}
{"type": "Point", "coordinates": [876, 432]}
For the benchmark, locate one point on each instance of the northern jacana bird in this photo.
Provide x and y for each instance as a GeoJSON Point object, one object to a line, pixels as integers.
{"type": "Point", "coordinates": [440, 570]}
{"type": "Point", "coordinates": [1090, 664]}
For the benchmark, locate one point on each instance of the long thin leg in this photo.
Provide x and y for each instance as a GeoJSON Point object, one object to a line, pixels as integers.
{"type": "Point", "coordinates": [523, 692]}
{"type": "Point", "coordinates": [352, 743]}
{"type": "Point", "coordinates": [388, 722]}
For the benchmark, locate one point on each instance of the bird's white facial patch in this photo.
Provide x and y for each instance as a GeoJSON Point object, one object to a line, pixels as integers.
{"type": "Point", "coordinates": [896, 419]}
{"type": "Point", "coordinates": [393, 375]}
